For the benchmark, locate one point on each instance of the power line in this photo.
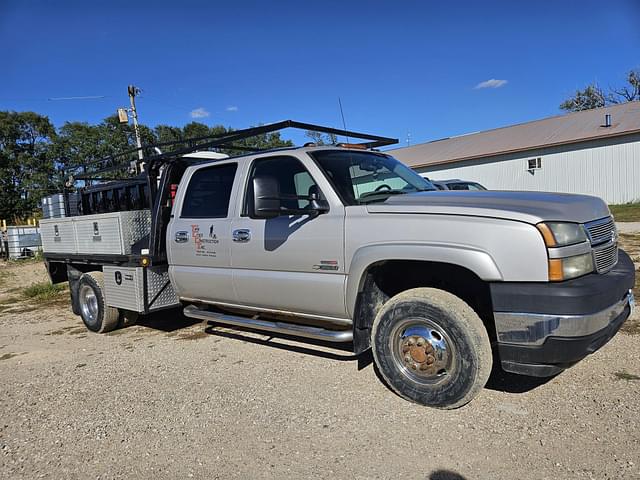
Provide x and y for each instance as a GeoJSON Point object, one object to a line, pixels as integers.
{"type": "Point", "coordinates": [86, 97]}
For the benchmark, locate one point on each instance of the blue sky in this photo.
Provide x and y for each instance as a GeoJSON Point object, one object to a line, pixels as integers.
{"type": "Point", "coordinates": [399, 67]}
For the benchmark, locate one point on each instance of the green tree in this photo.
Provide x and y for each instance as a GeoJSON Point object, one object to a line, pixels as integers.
{"type": "Point", "coordinates": [35, 160]}
{"type": "Point", "coordinates": [76, 144]}
{"type": "Point", "coordinates": [320, 138]}
{"type": "Point", "coordinates": [592, 96]}
{"type": "Point", "coordinates": [167, 133]}
{"type": "Point", "coordinates": [27, 170]}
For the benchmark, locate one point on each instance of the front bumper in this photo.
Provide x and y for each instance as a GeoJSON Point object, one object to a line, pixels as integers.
{"type": "Point", "coordinates": [544, 328]}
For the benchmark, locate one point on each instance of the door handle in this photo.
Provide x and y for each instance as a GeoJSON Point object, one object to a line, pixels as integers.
{"type": "Point", "coordinates": [242, 235]}
{"type": "Point", "coordinates": [182, 237]}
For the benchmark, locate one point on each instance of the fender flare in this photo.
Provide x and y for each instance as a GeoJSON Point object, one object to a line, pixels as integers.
{"type": "Point", "coordinates": [478, 261]}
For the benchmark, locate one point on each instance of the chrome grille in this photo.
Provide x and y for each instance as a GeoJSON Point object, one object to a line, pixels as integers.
{"type": "Point", "coordinates": [603, 236]}
{"type": "Point", "coordinates": [606, 257]}
{"type": "Point", "coordinates": [601, 231]}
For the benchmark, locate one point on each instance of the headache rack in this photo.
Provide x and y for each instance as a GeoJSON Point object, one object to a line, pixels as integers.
{"type": "Point", "coordinates": [154, 158]}
{"type": "Point", "coordinates": [142, 196]}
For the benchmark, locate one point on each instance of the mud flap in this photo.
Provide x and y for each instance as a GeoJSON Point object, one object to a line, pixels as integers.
{"type": "Point", "coordinates": [369, 301]}
{"type": "Point", "coordinates": [74, 284]}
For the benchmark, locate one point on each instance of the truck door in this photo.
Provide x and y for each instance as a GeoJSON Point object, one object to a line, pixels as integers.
{"type": "Point", "coordinates": [291, 263]}
{"type": "Point", "coordinates": [199, 234]}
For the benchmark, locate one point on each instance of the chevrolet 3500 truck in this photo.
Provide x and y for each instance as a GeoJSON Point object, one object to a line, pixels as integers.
{"type": "Point", "coordinates": [346, 244]}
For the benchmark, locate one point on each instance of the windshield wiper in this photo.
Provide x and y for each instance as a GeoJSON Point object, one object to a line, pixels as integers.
{"type": "Point", "coordinates": [375, 197]}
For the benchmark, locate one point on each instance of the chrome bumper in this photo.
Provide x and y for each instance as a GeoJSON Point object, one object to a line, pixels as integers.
{"type": "Point", "coordinates": [535, 328]}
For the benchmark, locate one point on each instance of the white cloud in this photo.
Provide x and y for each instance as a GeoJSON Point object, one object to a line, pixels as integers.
{"type": "Point", "coordinates": [199, 113]}
{"type": "Point", "coordinates": [491, 83]}
{"type": "Point", "coordinates": [232, 108]}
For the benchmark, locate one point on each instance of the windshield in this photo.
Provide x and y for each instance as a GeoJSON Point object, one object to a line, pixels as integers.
{"type": "Point", "coordinates": [366, 177]}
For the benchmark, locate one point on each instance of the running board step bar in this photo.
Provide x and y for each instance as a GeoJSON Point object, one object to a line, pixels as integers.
{"type": "Point", "coordinates": [316, 333]}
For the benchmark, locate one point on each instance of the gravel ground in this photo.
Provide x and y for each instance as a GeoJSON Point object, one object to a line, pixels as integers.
{"type": "Point", "coordinates": [175, 399]}
{"type": "Point", "coordinates": [628, 227]}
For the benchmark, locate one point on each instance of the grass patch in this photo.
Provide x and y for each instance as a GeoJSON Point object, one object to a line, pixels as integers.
{"type": "Point", "coordinates": [5, 276]}
{"type": "Point", "coordinates": [43, 291]}
{"type": "Point", "coordinates": [627, 212]}
{"type": "Point", "coordinates": [623, 375]}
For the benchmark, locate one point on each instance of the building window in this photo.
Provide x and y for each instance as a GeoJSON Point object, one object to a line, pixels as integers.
{"type": "Point", "coordinates": [534, 163]}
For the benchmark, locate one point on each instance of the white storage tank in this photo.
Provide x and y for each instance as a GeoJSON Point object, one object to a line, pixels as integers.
{"type": "Point", "coordinates": [53, 206]}
{"type": "Point", "coordinates": [23, 241]}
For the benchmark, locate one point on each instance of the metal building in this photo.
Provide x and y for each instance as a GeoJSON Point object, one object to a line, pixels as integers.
{"type": "Point", "coordinates": [594, 152]}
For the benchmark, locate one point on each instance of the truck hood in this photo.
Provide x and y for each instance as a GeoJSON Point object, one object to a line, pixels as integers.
{"type": "Point", "coordinates": [530, 207]}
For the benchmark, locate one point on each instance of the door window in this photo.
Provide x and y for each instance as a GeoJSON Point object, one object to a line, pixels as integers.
{"type": "Point", "coordinates": [293, 179]}
{"type": "Point", "coordinates": [209, 192]}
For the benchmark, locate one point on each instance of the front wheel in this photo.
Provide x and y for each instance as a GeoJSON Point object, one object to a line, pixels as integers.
{"type": "Point", "coordinates": [431, 348]}
{"type": "Point", "coordinates": [96, 315]}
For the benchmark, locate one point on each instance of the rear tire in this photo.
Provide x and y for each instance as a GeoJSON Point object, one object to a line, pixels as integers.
{"type": "Point", "coordinates": [431, 348]}
{"type": "Point", "coordinates": [95, 314]}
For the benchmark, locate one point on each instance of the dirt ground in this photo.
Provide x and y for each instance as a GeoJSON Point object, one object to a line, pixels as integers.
{"type": "Point", "coordinates": [171, 398]}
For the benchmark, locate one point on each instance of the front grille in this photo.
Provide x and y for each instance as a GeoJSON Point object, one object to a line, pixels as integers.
{"type": "Point", "coordinates": [601, 231]}
{"type": "Point", "coordinates": [604, 240]}
{"type": "Point", "coordinates": [606, 257]}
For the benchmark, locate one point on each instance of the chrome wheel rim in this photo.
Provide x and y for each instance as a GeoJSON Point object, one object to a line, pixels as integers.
{"type": "Point", "coordinates": [88, 304]}
{"type": "Point", "coordinates": [422, 350]}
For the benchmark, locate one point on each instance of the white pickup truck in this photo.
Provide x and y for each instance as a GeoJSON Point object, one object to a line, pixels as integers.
{"type": "Point", "coordinates": [346, 244]}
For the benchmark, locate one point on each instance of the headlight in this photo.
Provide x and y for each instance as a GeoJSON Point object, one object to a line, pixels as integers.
{"type": "Point", "coordinates": [570, 267]}
{"type": "Point", "coordinates": [559, 234]}
{"type": "Point", "coordinates": [567, 258]}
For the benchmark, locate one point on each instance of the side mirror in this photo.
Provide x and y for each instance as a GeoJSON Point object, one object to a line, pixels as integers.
{"type": "Point", "coordinates": [317, 205]}
{"type": "Point", "coordinates": [266, 197]}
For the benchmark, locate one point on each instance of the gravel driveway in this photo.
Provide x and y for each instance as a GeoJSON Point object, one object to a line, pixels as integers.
{"type": "Point", "coordinates": [175, 399]}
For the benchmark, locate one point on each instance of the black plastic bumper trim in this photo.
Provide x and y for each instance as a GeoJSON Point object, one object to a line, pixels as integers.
{"type": "Point", "coordinates": [556, 353]}
{"type": "Point", "coordinates": [581, 296]}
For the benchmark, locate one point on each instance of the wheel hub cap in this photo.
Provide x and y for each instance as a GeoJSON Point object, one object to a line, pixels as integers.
{"type": "Point", "coordinates": [422, 350]}
{"type": "Point", "coordinates": [88, 304]}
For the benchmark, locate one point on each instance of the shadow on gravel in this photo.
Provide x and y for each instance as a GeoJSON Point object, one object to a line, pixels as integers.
{"type": "Point", "coordinates": [511, 383]}
{"type": "Point", "coordinates": [167, 320]}
{"type": "Point", "coordinates": [172, 320]}
{"type": "Point", "coordinates": [445, 475]}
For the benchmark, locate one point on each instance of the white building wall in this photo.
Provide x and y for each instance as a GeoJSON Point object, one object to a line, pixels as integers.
{"type": "Point", "coordinates": [608, 168]}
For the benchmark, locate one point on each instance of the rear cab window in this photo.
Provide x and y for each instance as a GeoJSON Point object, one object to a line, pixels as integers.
{"type": "Point", "coordinates": [209, 192]}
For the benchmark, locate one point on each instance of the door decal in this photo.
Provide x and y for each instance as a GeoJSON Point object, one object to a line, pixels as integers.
{"type": "Point", "coordinates": [204, 246]}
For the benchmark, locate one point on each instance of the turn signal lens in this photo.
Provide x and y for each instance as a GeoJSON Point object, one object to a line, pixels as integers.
{"type": "Point", "coordinates": [549, 240]}
{"type": "Point", "coordinates": [555, 270]}
{"type": "Point", "coordinates": [559, 234]}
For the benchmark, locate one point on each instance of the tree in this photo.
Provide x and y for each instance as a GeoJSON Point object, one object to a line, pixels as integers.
{"type": "Point", "coordinates": [26, 167]}
{"type": "Point", "coordinates": [592, 96]}
{"type": "Point", "coordinates": [166, 133]}
{"type": "Point", "coordinates": [35, 160]}
{"type": "Point", "coordinates": [77, 143]}
{"type": "Point", "coordinates": [320, 138]}
{"type": "Point", "coordinates": [628, 93]}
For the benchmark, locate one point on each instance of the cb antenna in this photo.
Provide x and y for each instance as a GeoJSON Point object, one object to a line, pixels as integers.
{"type": "Point", "coordinates": [344, 124]}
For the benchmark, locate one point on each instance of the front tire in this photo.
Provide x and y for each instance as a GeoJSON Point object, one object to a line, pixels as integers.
{"type": "Point", "coordinates": [95, 314]}
{"type": "Point", "coordinates": [431, 348]}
